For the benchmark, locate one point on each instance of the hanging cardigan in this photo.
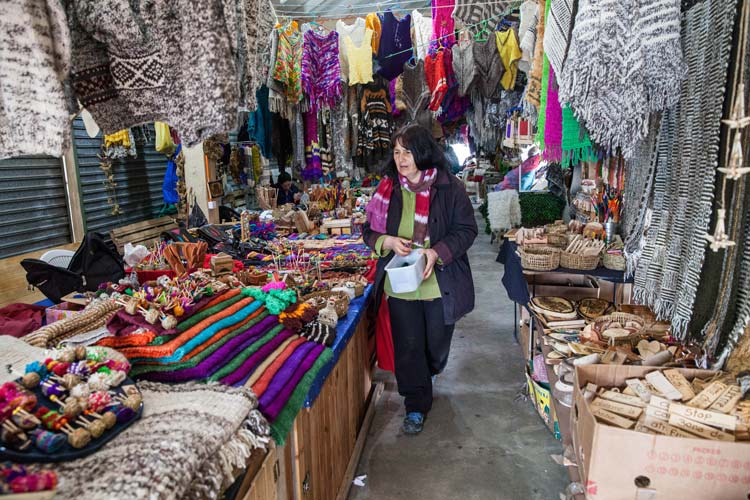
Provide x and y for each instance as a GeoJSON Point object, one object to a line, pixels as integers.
{"type": "Point", "coordinates": [489, 68]}
{"type": "Point", "coordinates": [320, 68]}
{"type": "Point", "coordinates": [395, 45]}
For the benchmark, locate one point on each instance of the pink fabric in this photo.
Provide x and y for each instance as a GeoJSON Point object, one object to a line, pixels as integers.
{"type": "Point", "coordinates": [442, 22]}
{"type": "Point", "coordinates": [19, 319]}
{"type": "Point", "coordinates": [553, 123]}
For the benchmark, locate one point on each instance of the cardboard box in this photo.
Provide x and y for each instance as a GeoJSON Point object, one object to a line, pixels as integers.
{"type": "Point", "coordinates": [616, 464]}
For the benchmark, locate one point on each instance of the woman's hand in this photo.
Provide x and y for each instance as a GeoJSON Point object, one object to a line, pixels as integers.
{"type": "Point", "coordinates": [432, 257]}
{"type": "Point", "coordinates": [400, 246]}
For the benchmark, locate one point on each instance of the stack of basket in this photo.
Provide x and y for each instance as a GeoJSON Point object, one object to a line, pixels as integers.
{"type": "Point", "coordinates": [582, 254]}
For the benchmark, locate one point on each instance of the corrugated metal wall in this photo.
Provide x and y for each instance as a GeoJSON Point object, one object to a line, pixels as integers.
{"type": "Point", "coordinates": [33, 205]}
{"type": "Point", "coordinates": [138, 181]}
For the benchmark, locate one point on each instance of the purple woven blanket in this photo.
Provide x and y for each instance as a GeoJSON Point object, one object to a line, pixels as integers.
{"type": "Point", "coordinates": [274, 408]}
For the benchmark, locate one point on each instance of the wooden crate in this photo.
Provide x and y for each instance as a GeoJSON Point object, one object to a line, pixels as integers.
{"type": "Point", "coordinates": [142, 233]}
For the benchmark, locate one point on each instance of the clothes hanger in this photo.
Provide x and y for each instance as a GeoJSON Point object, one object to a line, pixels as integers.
{"type": "Point", "coordinates": [483, 34]}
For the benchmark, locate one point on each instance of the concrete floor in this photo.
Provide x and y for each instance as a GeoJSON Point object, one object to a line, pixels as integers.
{"type": "Point", "coordinates": [479, 443]}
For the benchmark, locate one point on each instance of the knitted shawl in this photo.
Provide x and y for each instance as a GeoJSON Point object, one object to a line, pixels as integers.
{"type": "Point", "coordinates": [415, 94]}
{"type": "Point", "coordinates": [557, 33]}
{"type": "Point", "coordinates": [534, 87]}
{"type": "Point", "coordinates": [313, 169]}
{"type": "Point", "coordinates": [471, 12]}
{"type": "Point", "coordinates": [668, 272]}
{"type": "Point", "coordinates": [288, 69]}
{"type": "Point", "coordinates": [613, 86]}
{"type": "Point", "coordinates": [34, 64]}
{"type": "Point", "coordinates": [576, 144]}
{"type": "Point", "coordinates": [463, 66]}
{"type": "Point", "coordinates": [489, 68]}
{"type": "Point", "coordinates": [320, 68]}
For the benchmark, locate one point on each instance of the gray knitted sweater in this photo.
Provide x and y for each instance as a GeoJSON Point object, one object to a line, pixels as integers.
{"type": "Point", "coordinates": [190, 63]}
{"type": "Point", "coordinates": [34, 63]}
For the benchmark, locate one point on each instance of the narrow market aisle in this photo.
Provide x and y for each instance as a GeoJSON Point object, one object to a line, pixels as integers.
{"type": "Point", "coordinates": [478, 442]}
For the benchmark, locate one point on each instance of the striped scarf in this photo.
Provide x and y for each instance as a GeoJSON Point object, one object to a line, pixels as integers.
{"type": "Point", "coordinates": [377, 209]}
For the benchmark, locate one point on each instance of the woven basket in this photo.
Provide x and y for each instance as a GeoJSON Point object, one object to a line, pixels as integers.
{"type": "Point", "coordinates": [580, 262]}
{"type": "Point", "coordinates": [319, 300]}
{"type": "Point", "coordinates": [540, 258]}
{"type": "Point", "coordinates": [559, 240]}
{"type": "Point", "coordinates": [622, 318]}
{"type": "Point", "coordinates": [614, 262]}
{"type": "Point", "coordinates": [558, 227]}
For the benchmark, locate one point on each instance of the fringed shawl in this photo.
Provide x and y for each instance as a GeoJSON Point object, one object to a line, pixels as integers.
{"type": "Point", "coordinates": [320, 68]}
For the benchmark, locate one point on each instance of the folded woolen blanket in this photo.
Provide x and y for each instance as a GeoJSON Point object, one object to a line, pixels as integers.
{"type": "Point", "coordinates": [189, 362]}
{"type": "Point", "coordinates": [282, 424]}
{"type": "Point", "coordinates": [265, 378]}
{"type": "Point", "coordinates": [215, 361]}
{"type": "Point", "coordinates": [131, 340]}
{"type": "Point", "coordinates": [170, 347]}
{"type": "Point", "coordinates": [274, 407]}
{"type": "Point", "coordinates": [243, 372]}
{"type": "Point", "coordinates": [269, 360]}
{"type": "Point", "coordinates": [286, 372]}
{"type": "Point", "coordinates": [212, 307]}
{"type": "Point", "coordinates": [237, 361]}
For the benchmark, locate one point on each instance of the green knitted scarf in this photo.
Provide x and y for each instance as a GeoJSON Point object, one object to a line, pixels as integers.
{"type": "Point", "coordinates": [576, 144]}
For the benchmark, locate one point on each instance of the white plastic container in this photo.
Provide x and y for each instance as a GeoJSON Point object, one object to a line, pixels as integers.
{"type": "Point", "coordinates": [406, 278]}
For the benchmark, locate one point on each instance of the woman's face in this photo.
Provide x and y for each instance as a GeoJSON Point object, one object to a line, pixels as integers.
{"type": "Point", "coordinates": [405, 163]}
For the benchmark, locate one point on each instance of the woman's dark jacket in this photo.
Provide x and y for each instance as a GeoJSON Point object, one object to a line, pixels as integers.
{"type": "Point", "coordinates": [452, 230]}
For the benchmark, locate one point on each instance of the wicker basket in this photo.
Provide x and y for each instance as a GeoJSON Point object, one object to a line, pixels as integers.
{"type": "Point", "coordinates": [540, 258]}
{"type": "Point", "coordinates": [559, 240]}
{"type": "Point", "coordinates": [559, 227]}
{"type": "Point", "coordinates": [623, 318]}
{"type": "Point", "coordinates": [319, 300]}
{"type": "Point", "coordinates": [614, 262]}
{"type": "Point", "coordinates": [577, 261]}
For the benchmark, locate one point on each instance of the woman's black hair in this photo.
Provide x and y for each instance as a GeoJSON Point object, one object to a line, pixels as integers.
{"type": "Point", "coordinates": [426, 151]}
{"type": "Point", "coordinates": [283, 177]}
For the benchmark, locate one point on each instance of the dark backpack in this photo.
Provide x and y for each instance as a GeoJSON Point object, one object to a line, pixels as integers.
{"type": "Point", "coordinates": [94, 263]}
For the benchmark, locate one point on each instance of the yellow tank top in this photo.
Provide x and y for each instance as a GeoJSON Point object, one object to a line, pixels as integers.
{"type": "Point", "coordinates": [360, 59]}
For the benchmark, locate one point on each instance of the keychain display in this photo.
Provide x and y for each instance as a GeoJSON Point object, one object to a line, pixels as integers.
{"type": "Point", "coordinates": [66, 406]}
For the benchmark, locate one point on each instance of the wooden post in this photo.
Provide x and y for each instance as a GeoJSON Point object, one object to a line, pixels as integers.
{"type": "Point", "coordinates": [73, 188]}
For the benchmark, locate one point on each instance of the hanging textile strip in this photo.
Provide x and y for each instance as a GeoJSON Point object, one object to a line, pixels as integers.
{"type": "Point", "coordinates": [557, 34]}
{"type": "Point", "coordinates": [197, 356]}
{"type": "Point", "coordinates": [668, 272]}
{"type": "Point", "coordinates": [283, 423]}
{"type": "Point", "coordinates": [552, 122]}
{"type": "Point", "coordinates": [543, 96]}
{"type": "Point", "coordinates": [313, 169]}
{"type": "Point", "coordinates": [576, 145]}
{"type": "Point", "coordinates": [216, 360]}
{"type": "Point", "coordinates": [321, 69]}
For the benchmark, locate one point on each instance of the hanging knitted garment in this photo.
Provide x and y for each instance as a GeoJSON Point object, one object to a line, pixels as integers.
{"type": "Point", "coordinates": [356, 32]}
{"type": "Point", "coordinates": [372, 21]}
{"type": "Point", "coordinates": [313, 169]}
{"type": "Point", "coordinates": [510, 54]}
{"type": "Point", "coordinates": [576, 145]}
{"type": "Point", "coordinates": [434, 68]}
{"type": "Point", "coordinates": [667, 276]}
{"type": "Point", "coordinates": [422, 30]}
{"type": "Point", "coordinates": [415, 95]}
{"type": "Point", "coordinates": [288, 68]}
{"type": "Point", "coordinates": [527, 33]}
{"type": "Point", "coordinates": [557, 33]}
{"type": "Point", "coordinates": [534, 87]}
{"type": "Point", "coordinates": [542, 120]}
{"type": "Point", "coordinates": [395, 45]}
{"type": "Point", "coordinates": [320, 68]}
{"type": "Point", "coordinates": [463, 66]}
{"type": "Point", "coordinates": [471, 12]}
{"type": "Point", "coordinates": [553, 122]}
{"type": "Point", "coordinates": [375, 124]}
{"type": "Point", "coordinates": [359, 59]}
{"type": "Point", "coordinates": [614, 87]}
{"type": "Point", "coordinates": [489, 68]}
{"type": "Point", "coordinates": [443, 26]}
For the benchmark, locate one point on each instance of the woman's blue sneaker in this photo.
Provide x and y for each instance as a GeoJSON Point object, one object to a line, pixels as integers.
{"type": "Point", "coordinates": [413, 423]}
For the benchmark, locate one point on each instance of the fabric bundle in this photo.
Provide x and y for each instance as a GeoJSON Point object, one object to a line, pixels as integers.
{"type": "Point", "coordinates": [618, 70]}
{"type": "Point", "coordinates": [668, 272]}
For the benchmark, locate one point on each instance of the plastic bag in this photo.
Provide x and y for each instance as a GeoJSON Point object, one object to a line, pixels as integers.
{"type": "Point", "coordinates": [134, 254]}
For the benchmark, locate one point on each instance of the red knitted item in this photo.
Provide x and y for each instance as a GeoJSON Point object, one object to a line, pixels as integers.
{"type": "Point", "coordinates": [437, 79]}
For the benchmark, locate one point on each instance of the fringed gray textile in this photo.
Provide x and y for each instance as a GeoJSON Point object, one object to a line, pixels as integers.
{"type": "Point", "coordinates": [607, 77]}
{"type": "Point", "coordinates": [339, 123]}
{"type": "Point", "coordinates": [557, 33]}
{"type": "Point", "coordinates": [668, 273]}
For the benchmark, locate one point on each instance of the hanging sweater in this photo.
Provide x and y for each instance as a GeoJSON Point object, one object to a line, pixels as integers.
{"type": "Point", "coordinates": [437, 80]}
{"type": "Point", "coordinates": [489, 68]}
{"type": "Point", "coordinates": [359, 59]}
{"type": "Point", "coordinates": [415, 95]}
{"type": "Point", "coordinates": [395, 45]}
{"type": "Point", "coordinates": [356, 33]}
{"type": "Point", "coordinates": [443, 26]}
{"type": "Point", "coordinates": [375, 127]}
{"type": "Point", "coordinates": [463, 65]}
{"type": "Point", "coordinates": [34, 63]}
{"type": "Point", "coordinates": [510, 53]}
{"type": "Point", "coordinates": [471, 12]}
{"type": "Point", "coordinates": [421, 33]}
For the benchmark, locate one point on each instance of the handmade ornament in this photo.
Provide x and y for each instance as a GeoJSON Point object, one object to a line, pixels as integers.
{"type": "Point", "coordinates": [29, 380]}
{"type": "Point", "coordinates": [80, 353]}
{"type": "Point", "coordinates": [95, 427]}
{"type": "Point", "coordinates": [98, 382]}
{"type": "Point", "coordinates": [48, 442]}
{"type": "Point", "coordinates": [81, 391]}
{"type": "Point", "coordinates": [99, 400]}
{"type": "Point", "coordinates": [719, 239]}
{"type": "Point", "coordinates": [15, 439]}
{"type": "Point", "coordinates": [67, 356]}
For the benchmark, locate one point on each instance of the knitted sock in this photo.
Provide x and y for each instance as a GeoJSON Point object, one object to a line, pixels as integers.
{"type": "Point", "coordinates": [237, 361]}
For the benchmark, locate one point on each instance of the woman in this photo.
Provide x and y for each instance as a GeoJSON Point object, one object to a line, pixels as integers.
{"type": "Point", "coordinates": [288, 192]}
{"type": "Point", "coordinates": [418, 204]}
